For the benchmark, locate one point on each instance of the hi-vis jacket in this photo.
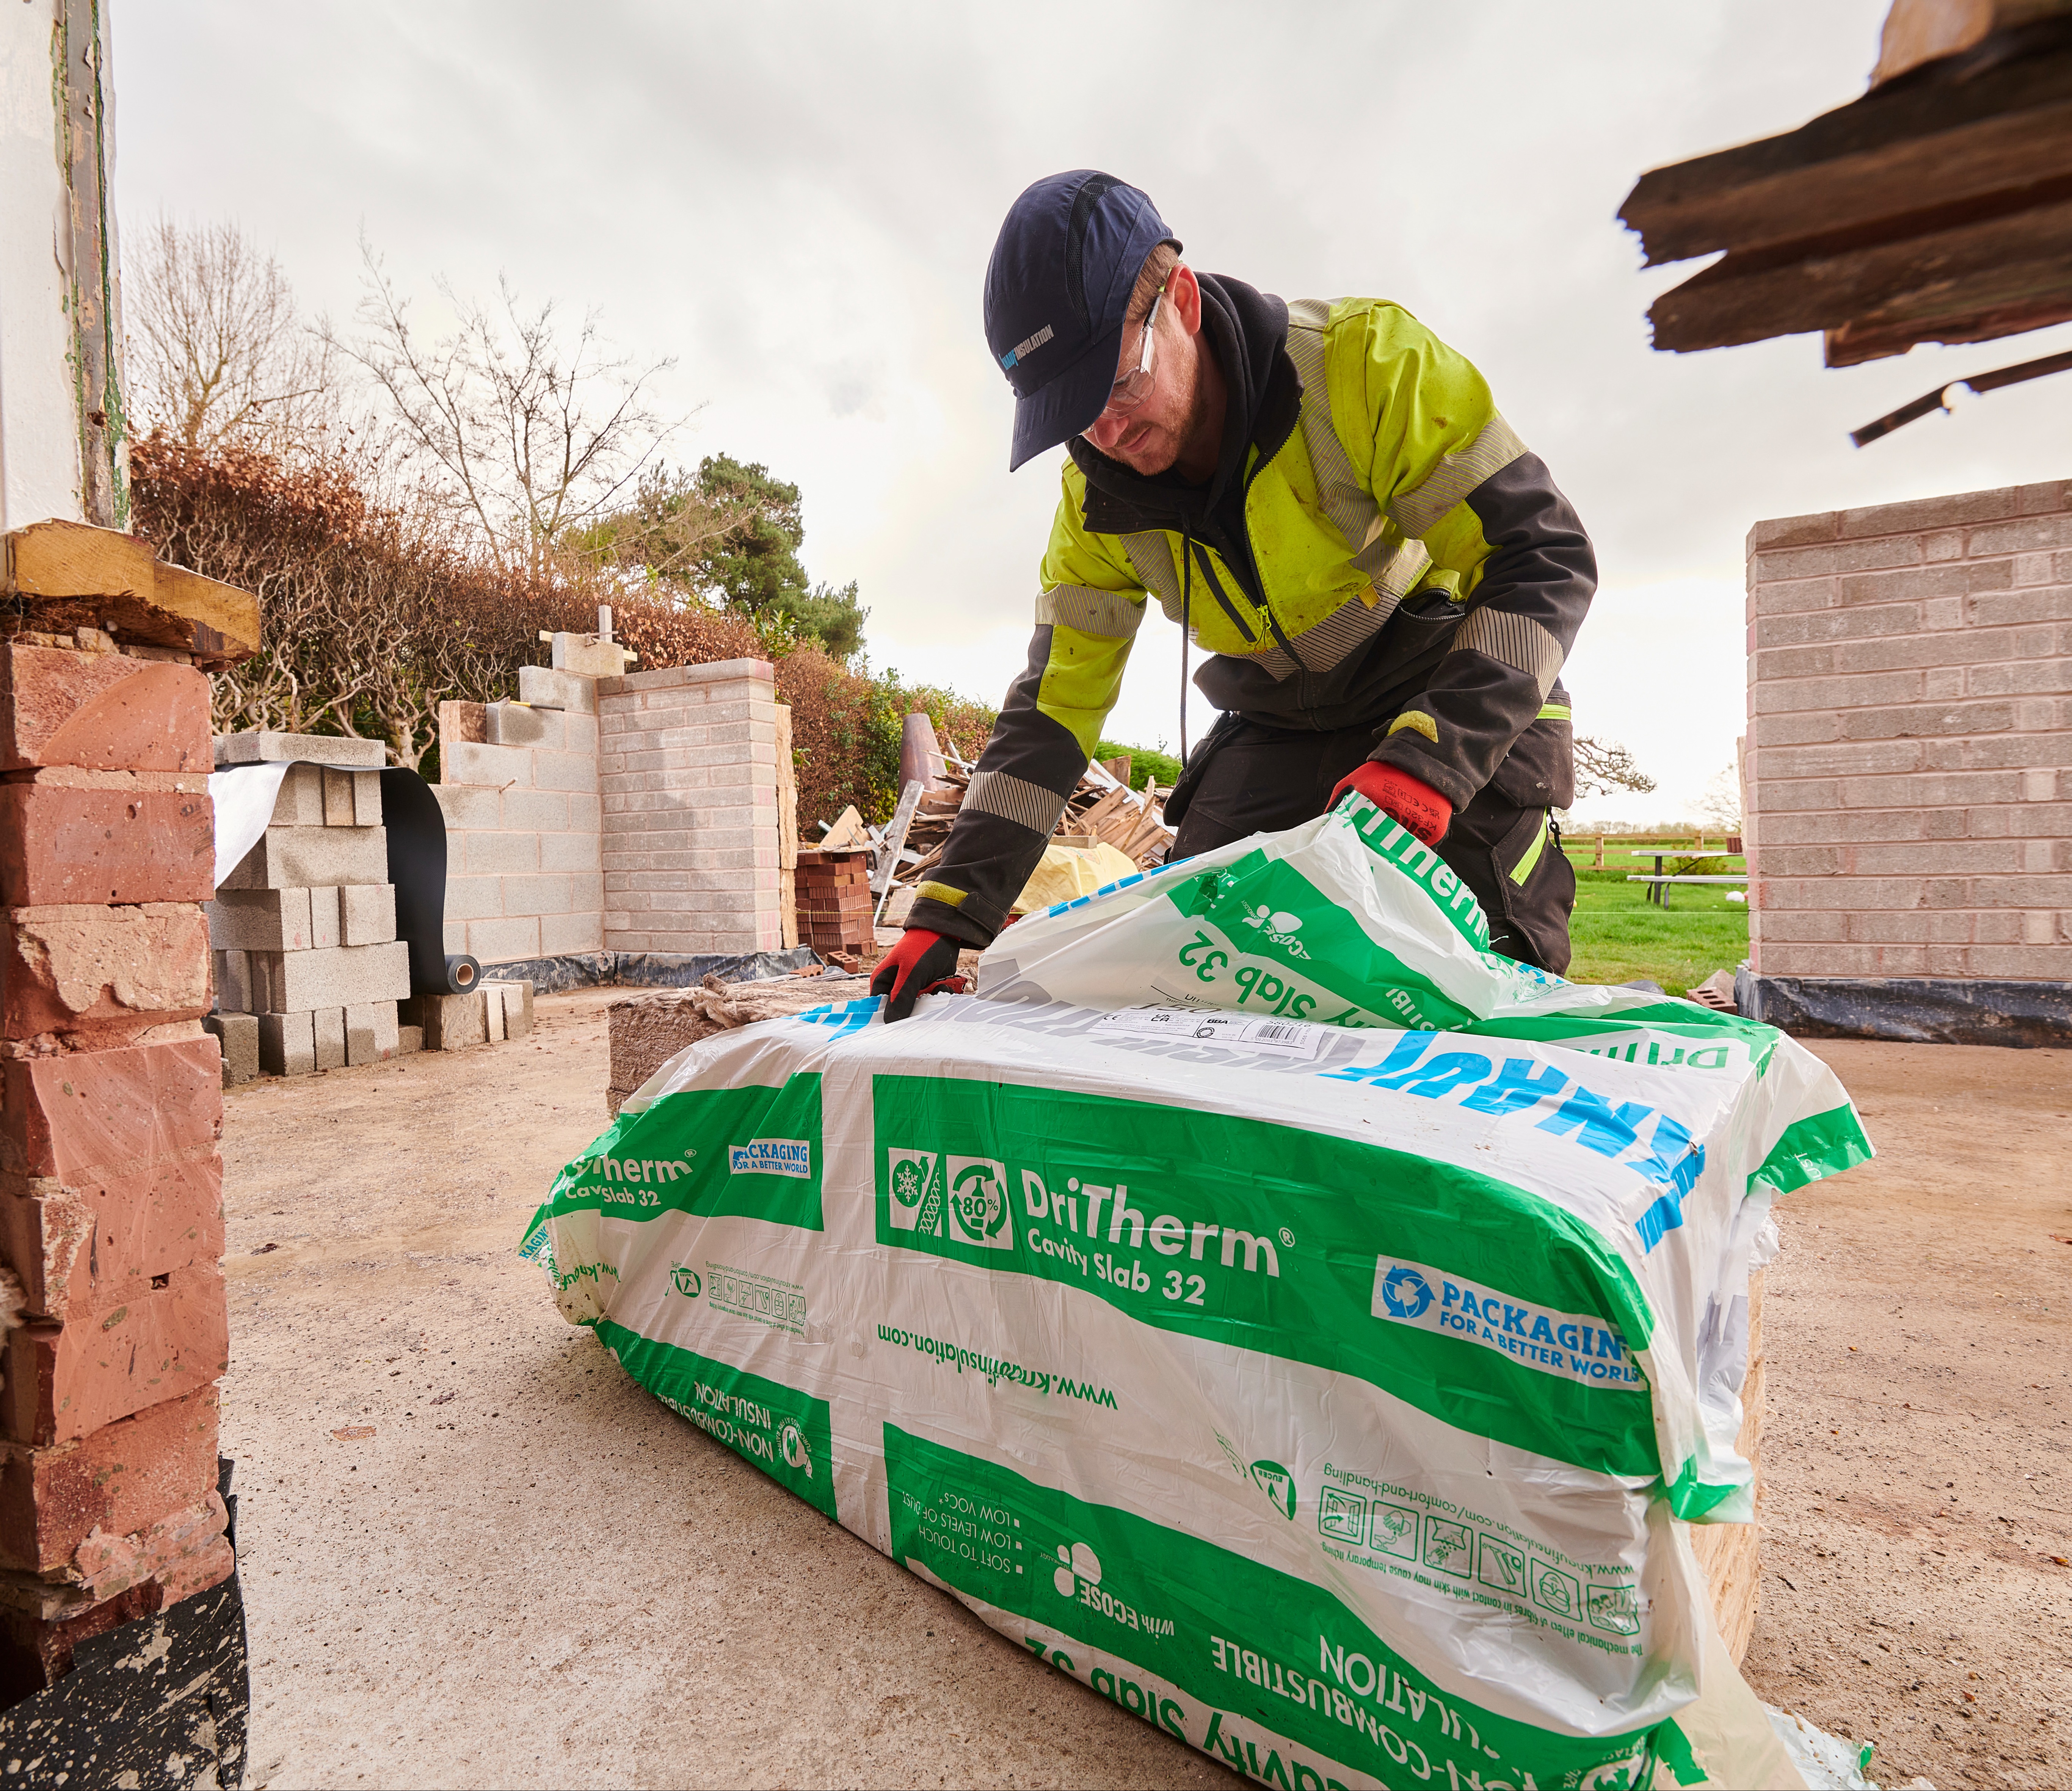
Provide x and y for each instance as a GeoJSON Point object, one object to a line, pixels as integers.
{"type": "Point", "coordinates": [1403, 561]}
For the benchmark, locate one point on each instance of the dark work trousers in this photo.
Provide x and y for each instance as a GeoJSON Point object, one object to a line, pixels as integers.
{"type": "Point", "coordinates": [1245, 778]}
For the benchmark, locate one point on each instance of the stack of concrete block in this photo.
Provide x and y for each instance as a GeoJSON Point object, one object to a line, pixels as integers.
{"type": "Point", "coordinates": [518, 785]}
{"type": "Point", "coordinates": [688, 759]}
{"type": "Point", "coordinates": [111, 1220]}
{"type": "Point", "coordinates": [488, 1014]}
{"type": "Point", "coordinates": [308, 967]}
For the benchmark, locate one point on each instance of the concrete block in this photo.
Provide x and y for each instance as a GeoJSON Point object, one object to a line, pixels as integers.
{"type": "Point", "coordinates": [287, 1043]}
{"type": "Point", "coordinates": [260, 920]}
{"type": "Point", "coordinates": [448, 1022]}
{"type": "Point", "coordinates": [586, 655]}
{"type": "Point", "coordinates": [313, 857]}
{"type": "Point", "coordinates": [409, 1040]}
{"type": "Point", "coordinates": [460, 724]}
{"type": "Point", "coordinates": [493, 1012]}
{"type": "Point", "coordinates": [238, 1034]}
{"type": "Point", "coordinates": [570, 852]}
{"type": "Point", "coordinates": [466, 807]}
{"type": "Point", "coordinates": [367, 798]}
{"type": "Point", "coordinates": [497, 766]}
{"type": "Point", "coordinates": [233, 982]}
{"type": "Point", "coordinates": [535, 811]}
{"type": "Point", "coordinates": [102, 976]}
{"type": "Point", "coordinates": [300, 803]}
{"type": "Point", "coordinates": [371, 1032]}
{"type": "Point", "coordinates": [328, 1025]}
{"type": "Point", "coordinates": [556, 771]}
{"type": "Point", "coordinates": [119, 1480]}
{"type": "Point", "coordinates": [520, 724]}
{"type": "Point", "coordinates": [367, 914]}
{"type": "Point", "coordinates": [571, 691]}
{"type": "Point", "coordinates": [294, 982]}
{"type": "Point", "coordinates": [100, 712]}
{"type": "Point", "coordinates": [266, 748]}
{"type": "Point", "coordinates": [337, 797]}
{"type": "Point", "coordinates": [324, 919]}
{"type": "Point", "coordinates": [60, 843]}
{"type": "Point", "coordinates": [472, 898]}
{"type": "Point", "coordinates": [539, 895]}
{"type": "Point", "coordinates": [501, 941]}
{"type": "Point", "coordinates": [579, 733]}
{"type": "Point", "coordinates": [561, 933]}
{"type": "Point", "coordinates": [510, 1008]}
{"type": "Point", "coordinates": [496, 854]}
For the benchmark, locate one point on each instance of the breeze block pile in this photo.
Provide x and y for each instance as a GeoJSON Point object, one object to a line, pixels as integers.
{"type": "Point", "coordinates": [111, 1219]}
{"type": "Point", "coordinates": [1259, 1300]}
{"type": "Point", "coordinates": [308, 967]}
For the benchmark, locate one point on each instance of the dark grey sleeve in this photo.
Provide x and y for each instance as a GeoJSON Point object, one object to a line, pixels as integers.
{"type": "Point", "coordinates": [1030, 766]}
{"type": "Point", "coordinates": [1521, 622]}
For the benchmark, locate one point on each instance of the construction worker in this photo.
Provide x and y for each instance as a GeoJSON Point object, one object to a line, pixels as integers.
{"type": "Point", "coordinates": [1323, 496]}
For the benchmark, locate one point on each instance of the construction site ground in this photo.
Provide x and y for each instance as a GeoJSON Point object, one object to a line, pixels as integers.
{"type": "Point", "coordinates": [532, 1574]}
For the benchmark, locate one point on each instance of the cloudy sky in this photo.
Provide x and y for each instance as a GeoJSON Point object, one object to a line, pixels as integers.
{"type": "Point", "coordinates": [796, 201]}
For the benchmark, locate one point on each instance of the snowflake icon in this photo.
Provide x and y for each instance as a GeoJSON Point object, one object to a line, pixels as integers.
{"type": "Point", "coordinates": [908, 1183]}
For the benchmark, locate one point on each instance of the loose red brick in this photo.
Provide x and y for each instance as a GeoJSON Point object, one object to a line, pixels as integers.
{"type": "Point", "coordinates": [100, 975]}
{"type": "Point", "coordinates": [64, 844]}
{"type": "Point", "coordinates": [101, 711]}
{"type": "Point", "coordinates": [75, 1246]}
{"type": "Point", "coordinates": [110, 1113]}
{"type": "Point", "coordinates": [67, 1380]}
{"type": "Point", "coordinates": [121, 1479]}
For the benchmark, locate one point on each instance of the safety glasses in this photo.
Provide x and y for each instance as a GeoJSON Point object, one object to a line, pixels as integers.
{"type": "Point", "coordinates": [1134, 386]}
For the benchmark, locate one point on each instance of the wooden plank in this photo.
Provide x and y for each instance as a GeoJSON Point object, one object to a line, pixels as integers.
{"type": "Point", "coordinates": [2024, 260]}
{"type": "Point", "coordinates": [1873, 338]}
{"type": "Point", "coordinates": [1921, 32]}
{"type": "Point", "coordinates": [222, 621]}
{"type": "Point", "coordinates": [849, 833]}
{"type": "Point", "coordinates": [895, 838]}
{"type": "Point", "coordinates": [1879, 157]}
{"type": "Point", "coordinates": [63, 559]}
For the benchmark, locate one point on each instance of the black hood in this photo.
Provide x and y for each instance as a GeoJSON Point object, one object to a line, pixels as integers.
{"type": "Point", "coordinates": [1247, 333]}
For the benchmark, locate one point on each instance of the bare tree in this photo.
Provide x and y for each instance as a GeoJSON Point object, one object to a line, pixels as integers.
{"type": "Point", "coordinates": [1722, 802]}
{"type": "Point", "coordinates": [1604, 766]}
{"type": "Point", "coordinates": [529, 433]}
{"type": "Point", "coordinates": [215, 351]}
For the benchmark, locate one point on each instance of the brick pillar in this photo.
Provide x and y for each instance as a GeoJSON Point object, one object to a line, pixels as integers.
{"type": "Point", "coordinates": [111, 1105]}
{"type": "Point", "coordinates": [688, 772]}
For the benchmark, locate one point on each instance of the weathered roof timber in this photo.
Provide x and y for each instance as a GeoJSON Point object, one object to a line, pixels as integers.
{"type": "Point", "coordinates": [1936, 209]}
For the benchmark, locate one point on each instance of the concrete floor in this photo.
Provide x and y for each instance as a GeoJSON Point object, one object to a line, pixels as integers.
{"type": "Point", "coordinates": [532, 1574]}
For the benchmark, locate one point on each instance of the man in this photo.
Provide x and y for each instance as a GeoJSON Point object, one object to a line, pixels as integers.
{"type": "Point", "coordinates": [1324, 498]}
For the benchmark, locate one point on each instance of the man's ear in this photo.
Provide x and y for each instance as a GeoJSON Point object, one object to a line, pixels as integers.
{"type": "Point", "coordinates": [1184, 292]}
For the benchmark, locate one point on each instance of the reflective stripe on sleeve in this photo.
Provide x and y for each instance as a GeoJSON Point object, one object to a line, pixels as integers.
{"type": "Point", "coordinates": [940, 892]}
{"type": "Point", "coordinates": [1015, 799]}
{"type": "Point", "coordinates": [1110, 615]}
{"type": "Point", "coordinates": [1556, 712]}
{"type": "Point", "coordinates": [1416, 512]}
{"type": "Point", "coordinates": [1518, 642]}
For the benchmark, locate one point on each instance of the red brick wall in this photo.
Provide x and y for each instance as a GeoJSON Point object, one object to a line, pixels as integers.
{"type": "Point", "coordinates": [1910, 765]}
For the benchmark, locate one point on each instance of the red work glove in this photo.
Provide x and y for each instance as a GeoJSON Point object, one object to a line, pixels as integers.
{"type": "Point", "coordinates": [921, 964]}
{"type": "Point", "coordinates": [1418, 805]}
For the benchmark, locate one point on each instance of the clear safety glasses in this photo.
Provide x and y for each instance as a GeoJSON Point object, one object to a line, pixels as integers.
{"type": "Point", "coordinates": [1134, 386]}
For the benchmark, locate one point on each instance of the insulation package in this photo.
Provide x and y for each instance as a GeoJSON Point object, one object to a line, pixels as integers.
{"type": "Point", "coordinates": [1260, 1301]}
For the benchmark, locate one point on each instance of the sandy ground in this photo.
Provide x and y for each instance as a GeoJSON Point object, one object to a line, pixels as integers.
{"type": "Point", "coordinates": [1918, 1517]}
{"type": "Point", "coordinates": [532, 1574]}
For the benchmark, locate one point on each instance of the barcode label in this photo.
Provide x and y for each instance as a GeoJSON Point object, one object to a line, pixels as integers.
{"type": "Point", "coordinates": [1225, 1031]}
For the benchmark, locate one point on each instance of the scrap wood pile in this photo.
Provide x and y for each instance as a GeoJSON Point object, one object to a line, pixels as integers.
{"type": "Point", "coordinates": [1102, 807]}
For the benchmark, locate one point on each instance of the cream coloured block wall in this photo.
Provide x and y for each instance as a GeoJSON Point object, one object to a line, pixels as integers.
{"type": "Point", "coordinates": [687, 770]}
{"type": "Point", "coordinates": [1910, 769]}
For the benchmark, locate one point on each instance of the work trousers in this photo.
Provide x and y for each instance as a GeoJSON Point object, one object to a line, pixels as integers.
{"type": "Point", "coordinates": [1246, 777]}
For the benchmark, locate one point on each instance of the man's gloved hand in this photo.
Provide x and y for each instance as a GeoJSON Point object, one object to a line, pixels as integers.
{"type": "Point", "coordinates": [1418, 805]}
{"type": "Point", "coordinates": [921, 964]}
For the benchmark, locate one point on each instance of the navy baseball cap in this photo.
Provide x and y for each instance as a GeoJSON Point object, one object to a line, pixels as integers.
{"type": "Point", "coordinates": [1057, 290]}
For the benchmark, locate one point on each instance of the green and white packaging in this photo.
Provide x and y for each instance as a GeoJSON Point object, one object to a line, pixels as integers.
{"type": "Point", "coordinates": [1260, 1301]}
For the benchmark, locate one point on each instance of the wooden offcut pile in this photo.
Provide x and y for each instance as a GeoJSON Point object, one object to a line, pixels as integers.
{"type": "Point", "coordinates": [1102, 807]}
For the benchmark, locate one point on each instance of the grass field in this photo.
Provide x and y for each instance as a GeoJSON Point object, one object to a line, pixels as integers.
{"type": "Point", "coordinates": [1619, 934]}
